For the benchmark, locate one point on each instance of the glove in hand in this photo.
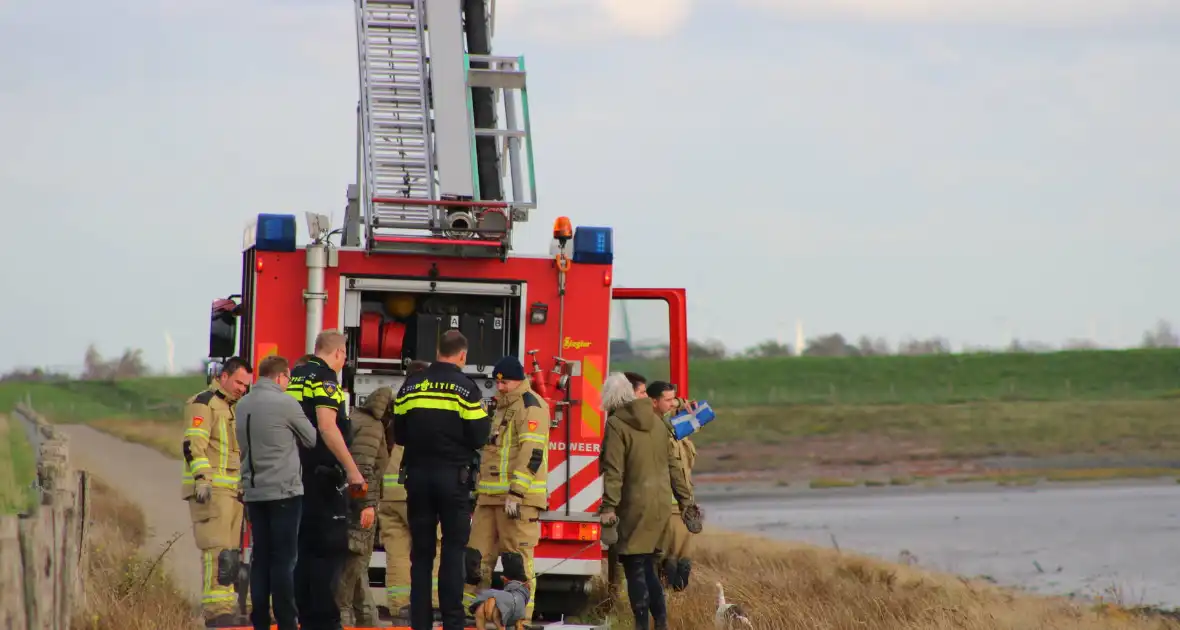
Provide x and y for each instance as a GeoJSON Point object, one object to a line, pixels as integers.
{"type": "Point", "coordinates": [512, 507]}
{"type": "Point", "coordinates": [610, 533]}
{"type": "Point", "coordinates": [693, 518]}
{"type": "Point", "coordinates": [203, 491]}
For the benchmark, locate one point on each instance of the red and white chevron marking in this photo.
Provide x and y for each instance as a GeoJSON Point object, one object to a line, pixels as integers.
{"type": "Point", "coordinates": [585, 484]}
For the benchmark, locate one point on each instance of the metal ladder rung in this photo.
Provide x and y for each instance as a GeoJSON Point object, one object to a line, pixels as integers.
{"type": "Point", "coordinates": [387, 22]}
{"type": "Point", "coordinates": [502, 79]}
{"type": "Point", "coordinates": [500, 133]}
{"type": "Point", "coordinates": [407, 47]}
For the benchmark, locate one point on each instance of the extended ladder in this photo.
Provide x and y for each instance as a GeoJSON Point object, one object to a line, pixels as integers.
{"type": "Point", "coordinates": [444, 138]}
{"type": "Point", "coordinates": [397, 156]}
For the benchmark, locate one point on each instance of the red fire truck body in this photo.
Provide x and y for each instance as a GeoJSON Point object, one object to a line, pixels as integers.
{"type": "Point", "coordinates": [444, 174]}
{"type": "Point", "coordinates": [564, 338]}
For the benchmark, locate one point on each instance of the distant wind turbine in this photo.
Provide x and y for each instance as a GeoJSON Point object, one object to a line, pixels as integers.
{"type": "Point", "coordinates": [171, 353]}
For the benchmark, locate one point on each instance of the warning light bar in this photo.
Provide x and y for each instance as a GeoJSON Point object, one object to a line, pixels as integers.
{"type": "Point", "coordinates": [560, 530]}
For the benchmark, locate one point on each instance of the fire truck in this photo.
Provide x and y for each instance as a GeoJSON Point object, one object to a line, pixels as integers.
{"type": "Point", "coordinates": [444, 175]}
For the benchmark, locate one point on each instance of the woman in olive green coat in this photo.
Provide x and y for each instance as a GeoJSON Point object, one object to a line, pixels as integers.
{"type": "Point", "coordinates": [637, 467]}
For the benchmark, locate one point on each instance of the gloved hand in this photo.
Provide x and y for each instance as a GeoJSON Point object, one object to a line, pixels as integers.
{"type": "Point", "coordinates": [693, 517]}
{"type": "Point", "coordinates": [368, 515]}
{"type": "Point", "coordinates": [512, 507]}
{"type": "Point", "coordinates": [359, 492]}
{"type": "Point", "coordinates": [203, 491]}
{"type": "Point", "coordinates": [610, 533]}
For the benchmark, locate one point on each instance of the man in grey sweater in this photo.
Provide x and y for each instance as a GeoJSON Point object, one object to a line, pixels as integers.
{"type": "Point", "coordinates": [269, 423]}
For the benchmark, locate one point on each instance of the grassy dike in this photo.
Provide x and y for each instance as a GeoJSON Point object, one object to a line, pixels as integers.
{"type": "Point", "coordinates": [860, 411]}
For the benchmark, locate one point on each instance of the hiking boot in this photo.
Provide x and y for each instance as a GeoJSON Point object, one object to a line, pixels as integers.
{"type": "Point", "coordinates": [224, 620]}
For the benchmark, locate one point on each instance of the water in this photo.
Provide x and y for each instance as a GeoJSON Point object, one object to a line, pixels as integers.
{"type": "Point", "coordinates": [1086, 540]}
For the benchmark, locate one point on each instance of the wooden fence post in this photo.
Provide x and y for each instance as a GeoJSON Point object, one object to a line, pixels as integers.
{"type": "Point", "coordinates": [42, 554]}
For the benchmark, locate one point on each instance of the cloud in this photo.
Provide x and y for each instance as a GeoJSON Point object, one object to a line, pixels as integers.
{"type": "Point", "coordinates": [650, 18]}
{"type": "Point", "coordinates": [1006, 12]}
{"type": "Point", "coordinates": [588, 20]}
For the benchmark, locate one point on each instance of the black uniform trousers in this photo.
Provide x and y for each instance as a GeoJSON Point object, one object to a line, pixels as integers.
{"type": "Point", "coordinates": [323, 548]}
{"type": "Point", "coordinates": [437, 497]}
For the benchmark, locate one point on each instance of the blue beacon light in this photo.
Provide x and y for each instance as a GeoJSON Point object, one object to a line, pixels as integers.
{"type": "Point", "coordinates": [594, 245]}
{"type": "Point", "coordinates": [275, 233]}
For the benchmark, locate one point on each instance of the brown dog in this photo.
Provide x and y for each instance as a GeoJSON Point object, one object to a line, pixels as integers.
{"type": "Point", "coordinates": [487, 613]}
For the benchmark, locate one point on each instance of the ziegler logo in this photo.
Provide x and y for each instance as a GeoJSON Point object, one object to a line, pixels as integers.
{"type": "Point", "coordinates": [574, 344]}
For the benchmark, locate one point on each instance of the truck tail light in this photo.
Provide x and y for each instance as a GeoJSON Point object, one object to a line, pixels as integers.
{"type": "Point", "coordinates": [561, 530]}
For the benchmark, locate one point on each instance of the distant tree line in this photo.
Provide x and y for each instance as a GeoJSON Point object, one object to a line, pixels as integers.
{"type": "Point", "coordinates": [1161, 335]}
{"type": "Point", "coordinates": [95, 367]}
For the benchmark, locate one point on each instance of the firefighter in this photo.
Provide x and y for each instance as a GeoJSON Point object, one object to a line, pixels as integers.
{"type": "Point", "coordinates": [371, 454]}
{"type": "Point", "coordinates": [395, 528]}
{"type": "Point", "coordinates": [614, 570]}
{"type": "Point", "coordinates": [440, 420]}
{"type": "Point", "coordinates": [635, 451]}
{"type": "Point", "coordinates": [675, 564]}
{"type": "Point", "coordinates": [210, 482]}
{"type": "Point", "coordinates": [512, 489]}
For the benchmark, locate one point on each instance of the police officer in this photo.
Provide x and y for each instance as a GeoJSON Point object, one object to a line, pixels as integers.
{"type": "Point", "coordinates": [394, 527]}
{"type": "Point", "coordinates": [328, 469]}
{"type": "Point", "coordinates": [511, 497]}
{"type": "Point", "coordinates": [371, 455]}
{"type": "Point", "coordinates": [212, 471]}
{"type": "Point", "coordinates": [439, 419]}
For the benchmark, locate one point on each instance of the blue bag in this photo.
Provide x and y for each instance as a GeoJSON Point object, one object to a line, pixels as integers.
{"type": "Point", "coordinates": [685, 424]}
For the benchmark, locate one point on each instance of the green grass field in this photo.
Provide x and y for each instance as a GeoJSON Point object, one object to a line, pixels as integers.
{"type": "Point", "coordinates": [18, 469]}
{"type": "Point", "coordinates": [83, 401]}
{"type": "Point", "coordinates": [934, 379]}
{"type": "Point", "coordinates": [868, 409]}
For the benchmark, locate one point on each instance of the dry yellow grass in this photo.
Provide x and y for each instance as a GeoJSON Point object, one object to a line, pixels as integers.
{"type": "Point", "coordinates": [124, 589]}
{"type": "Point", "coordinates": [787, 586]}
{"type": "Point", "coordinates": [783, 586]}
{"type": "Point", "coordinates": [165, 437]}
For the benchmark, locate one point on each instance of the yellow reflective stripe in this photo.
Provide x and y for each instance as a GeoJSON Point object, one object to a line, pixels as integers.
{"type": "Point", "coordinates": [538, 487]}
{"type": "Point", "coordinates": [491, 487]}
{"type": "Point", "coordinates": [223, 437]}
{"type": "Point", "coordinates": [390, 481]}
{"type": "Point", "coordinates": [504, 461]}
{"type": "Point", "coordinates": [196, 432]}
{"type": "Point", "coordinates": [297, 394]}
{"type": "Point", "coordinates": [523, 477]}
{"type": "Point", "coordinates": [198, 464]}
{"type": "Point", "coordinates": [413, 395]}
{"type": "Point", "coordinates": [533, 437]}
{"type": "Point", "coordinates": [465, 413]}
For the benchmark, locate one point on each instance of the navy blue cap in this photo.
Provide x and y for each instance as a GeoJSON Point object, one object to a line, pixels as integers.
{"type": "Point", "coordinates": [508, 369]}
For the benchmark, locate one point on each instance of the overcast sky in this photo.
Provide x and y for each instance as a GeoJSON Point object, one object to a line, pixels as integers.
{"type": "Point", "coordinates": [967, 168]}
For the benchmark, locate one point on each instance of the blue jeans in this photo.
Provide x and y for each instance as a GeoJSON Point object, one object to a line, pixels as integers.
{"type": "Point", "coordinates": [274, 534]}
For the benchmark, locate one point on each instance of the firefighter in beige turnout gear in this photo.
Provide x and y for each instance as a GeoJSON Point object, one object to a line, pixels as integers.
{"type": "Point", "coordinates": [371, 454]}
{"type": "Point", "coordinates": [675, 564]}
{"type": "Point", "coordinates": [210, 482]}
{"type": "Point", "coordinates": [513, 487]}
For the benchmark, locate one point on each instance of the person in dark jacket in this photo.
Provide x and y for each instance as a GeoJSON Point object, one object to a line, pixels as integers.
{"type": "Point", "coordinates": [638, 464]}
{"type": "Point", "coordinates": [371, 455]}
{"type": "Point", "coordinates": [440, 420]}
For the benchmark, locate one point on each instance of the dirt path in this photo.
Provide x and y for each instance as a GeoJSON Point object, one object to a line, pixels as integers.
{"type": "Point", "coordinates": [152, 480]}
